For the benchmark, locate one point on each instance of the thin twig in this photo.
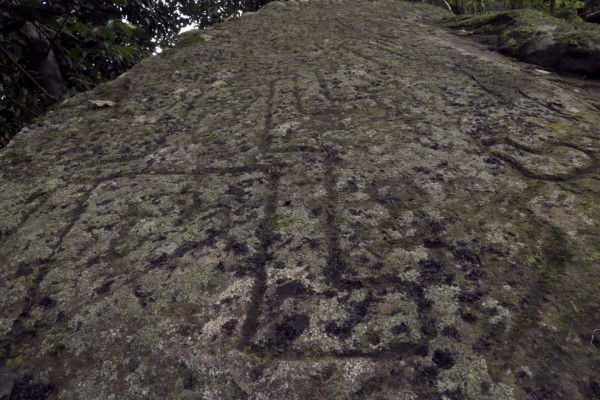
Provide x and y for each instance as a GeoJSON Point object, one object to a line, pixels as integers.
{"type": "Point", "coordinates": [593, 333]}
{"type": "Point", "coordinates": [592, 14]}
{"type": "Point", "coordinates": [547, 106]}
{"type": "Point", "coordinates": [26, 73]}
{"type": "Point", "coordinates": [486, 88]}
{"type": "Point", "coordinates": [447, 6]}
{"type": "Point", "coordinates": [58, 31]}
{"type": "Point", "coordinates": [23, 106]}
{"type": "Point", "coordinates": [60, 52]}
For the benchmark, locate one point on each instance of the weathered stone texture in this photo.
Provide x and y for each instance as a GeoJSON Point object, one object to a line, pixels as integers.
{"type": "Point", "coordinates": [322, 200]}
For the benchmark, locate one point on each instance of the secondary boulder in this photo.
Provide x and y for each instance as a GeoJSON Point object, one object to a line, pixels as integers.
{"type": "Point", "coordinates": [533, 37]}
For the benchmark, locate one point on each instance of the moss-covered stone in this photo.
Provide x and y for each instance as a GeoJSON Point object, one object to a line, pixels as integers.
{"type": "Point", "coordinates": [531, 36]}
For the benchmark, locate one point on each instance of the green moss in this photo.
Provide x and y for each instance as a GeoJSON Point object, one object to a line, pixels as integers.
{"type": "Point", "coordinates": [57, 349]}
{"type": "Point", "coordinates": [249, 353]}
{"type": "Point", "coordinates": [192, 37]}
{"type": "Point", "coordinates": [511, 43]}
{"type": "Point", "coordinates": [51, 137]}
{"type": "Point", "coordinates": [15, 361]}
{"type": "Point", "coordinates": [84, 181]}
{"type": "Point", "coordinates": [279, 223]}
{"type": "Point", "coordinates": [211, 137]}
{"type": "Point", "coordinates": [32, 276]}
{"type": "Point", "coordinates": [13, 158]}
{"type": "Point", "coordinates": [522, 201]}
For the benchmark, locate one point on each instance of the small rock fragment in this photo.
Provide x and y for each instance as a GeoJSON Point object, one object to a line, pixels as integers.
{"type": "Point", "coordinates": [102, 103]}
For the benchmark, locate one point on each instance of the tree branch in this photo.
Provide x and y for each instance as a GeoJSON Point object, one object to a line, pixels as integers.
{"type": "Point", "coordinates": [6, 53]}
{"type": "Point", "coordinates": [57, 32]}
{"type": "Point", "coordinates": [23, 106]}
{"type": "Point", "coordinates": [448, 6]}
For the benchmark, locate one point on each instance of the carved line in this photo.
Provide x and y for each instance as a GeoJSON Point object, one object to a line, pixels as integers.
{"type": "Point", "coordinates": [259, 260]}
{"type": "Point", "coordinates": [547, 106]}
{"type": "Point", "coordinates": [576, 174]}
{"type": "Point", "coordinates": [297, 99]}
{"type": "Point", "coordinates": [333, 272]}
{"type": "Point", "coordinates": [369, 59]}
{"type": "Point", "coordinates": [28, 215]}
{"type": "Point", "coordinates": [323, 85]}
{"type": "Point", "coordinates": [13, 336]}
{"type": "Point", "coordinates": [386, 47]}
{"type": "Point", "coordinates": [557, 257]}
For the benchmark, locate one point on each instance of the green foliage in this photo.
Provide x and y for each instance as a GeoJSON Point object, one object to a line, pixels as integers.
{"type": "Point", "coordinates": [53, 48]}
{"type": "Point", "coordinates": [566, 9]}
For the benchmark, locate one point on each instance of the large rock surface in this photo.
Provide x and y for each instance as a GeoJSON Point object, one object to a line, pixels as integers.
{"type": "Point", "coordinates": [322, 200]}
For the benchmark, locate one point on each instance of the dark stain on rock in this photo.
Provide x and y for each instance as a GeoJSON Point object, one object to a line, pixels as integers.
{"type": "Point", "coordinates": [237, 192]}
{"type": "Point", "coordinates": [433, 243]}
{"type": "Point", "coordinates": [133, 365]}
{"type": "Point", "coordinates": [595, 388]}
{"type": "Point", "coordinates": [429, 329]}
{"type": "Point", "coordinates": [256, 373]}
{"type": "Point", "coordinates": [26, 389]}
{"type": "Point", "coordinates": [468, 317]}
{"type": "Point", "coordinates": [542, 394]}
{"type": "Point", "coordinates": [19, 334]}
{"type": "Point", "coordinates": [443, 359]}
{"type": "Point", "coordinates": [187, 375]}
{"type": "Point", "coordinates": [398, 329]}
{"type": "Point", "coordinates": [475, 275]}
{"type": "Point", "coordinates": [159, 260]}
{"type": "Point", "coordinates": [370, 388]}
{"type": "Point", "coordinates": [437, 227]}
{"type": "Point", "coordinates": [373, 337]}
{"type": "Point", "coordinates": [483, 344]}
{"type": "Point", "coordinates": [105, 288]}
{"type": "Point", "coordinates": [334, 328]}
{"type": "Point", "coordinates": [493, 160]}
{"type": "Point", "coordinates": [465, 256]}
{"type": "Point", "coordinates": [61, 317]}
{"type": "Point", "coordinates": [454, 394]}
{"type": "Point", "coordinates": [229, 327]}
{"type": "Point", "coordinates": [427, 375]}
{"type": "Point", "coordinates": [286, 332]}
{"type": "Point", "coordinates": [24, 270]}
{"type": "Point", "coordinates": [358, 311]}
{"type": "Point", "coordinates": [239, 249]}
{"type": "Point", "coordinates": [431, 270]}
{"type": "Point", "coordinates": [471, 296]}
{"type": "Point", "coordinates": [47, 302]}
{"type": "Point", "coordinates": [290, 289]}
{"type": "Point", "coordinates": [450, 331]}
{"type": "Point", "coordinates": [313, 243]}
{"type": "Point", "coordinates": [421, 169]}
{"type": "Point", "coordinates": [143, 297]}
